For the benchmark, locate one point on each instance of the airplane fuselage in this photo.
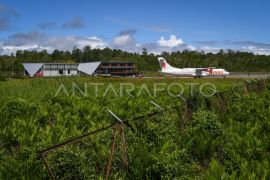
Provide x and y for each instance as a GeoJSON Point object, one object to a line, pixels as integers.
{"type": "Point", "coordinates": [190, 72]}
{"type": "Point", "coordinates": [180, 72]}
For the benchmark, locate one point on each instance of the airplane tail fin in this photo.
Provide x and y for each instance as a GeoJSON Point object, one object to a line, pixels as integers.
{"type": "Point", "coordinates": [163, 64]}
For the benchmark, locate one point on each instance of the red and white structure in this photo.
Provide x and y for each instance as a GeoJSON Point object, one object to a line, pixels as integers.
{"type": "Point", "coordinates": [192, 72]}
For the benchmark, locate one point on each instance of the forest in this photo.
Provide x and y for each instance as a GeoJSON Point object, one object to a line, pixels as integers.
{"type": "Point", "coordinates": [233, 61]}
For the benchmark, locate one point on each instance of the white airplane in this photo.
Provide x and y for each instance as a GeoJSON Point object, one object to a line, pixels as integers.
{"type": "Point", "coordinates": [193, 72]}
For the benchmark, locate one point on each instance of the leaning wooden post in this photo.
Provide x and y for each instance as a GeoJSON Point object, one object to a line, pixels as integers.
{"type": "Point", "coordinates": [47, 166]}
{"type": "Point", "coordinates": [108, 170]}
{"type": "Point", "coordinates": [123, 146]}
{"type": "Point", "coordinates": [187, 113]}
{"type": "Point", "coordinates": [118, 129]}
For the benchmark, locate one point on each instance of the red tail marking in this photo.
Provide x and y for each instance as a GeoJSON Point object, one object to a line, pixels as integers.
{"type": "Point", "coordinates": [163, 64]}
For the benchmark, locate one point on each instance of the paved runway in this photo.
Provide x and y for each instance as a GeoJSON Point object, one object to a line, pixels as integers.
{"type": "Point", "coordinates": [252, 76]}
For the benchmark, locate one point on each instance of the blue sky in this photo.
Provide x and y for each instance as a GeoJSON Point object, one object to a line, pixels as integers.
{"type": "Point", "coordinates": [131, 25]}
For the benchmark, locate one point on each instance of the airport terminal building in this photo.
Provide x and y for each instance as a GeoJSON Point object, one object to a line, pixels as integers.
{"type": "Point", "coordinates": [108, 68]}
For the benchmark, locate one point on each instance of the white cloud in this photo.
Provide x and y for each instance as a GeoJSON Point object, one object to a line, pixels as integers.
{"type": "Point", "coordinates": [172, 42]}
{"type": "Point", "coordinates": [256, 50]}
{"type": "Point", "coordinates": [123, 40]}
{"type": "Point", "coordinates": [208, 49]}
{"type": "Point", "coordinates": [94, 38]}
{"type": "Point", "coordinates": [171, 45]}
{"type": "Point", "coordinates": [126, 41]}
{"type": "Point", "coordinates": [261, 48]}
{"type": "Point", "coordinates": [12, 48]}
{"type": "Point", "coordinates": [191, 48]}
{"type": "Point", "coordinates": [79, 42]}
{"type": "Point", "coordinates": [36, 41]}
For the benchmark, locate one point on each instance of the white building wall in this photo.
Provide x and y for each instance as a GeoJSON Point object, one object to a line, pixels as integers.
{"type": "Point", "coordinates": [48, 73]}
{"type": "Point", "coordinates": [53, 73]}
{"type": "Point", "coordinates": [73, 72]}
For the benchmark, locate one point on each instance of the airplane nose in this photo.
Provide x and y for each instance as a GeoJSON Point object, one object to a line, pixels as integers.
{"type": "Point", "coordinates": [227, 73]}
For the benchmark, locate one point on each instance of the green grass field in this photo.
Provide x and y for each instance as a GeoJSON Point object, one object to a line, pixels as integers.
{"type": "Point", "coordinates": [33, 89]}
{"type": "Point", "coordinates": [223, 135]}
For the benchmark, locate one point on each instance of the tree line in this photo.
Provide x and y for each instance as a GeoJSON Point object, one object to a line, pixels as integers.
{"type": "Point", "coordinates": [233, 61]}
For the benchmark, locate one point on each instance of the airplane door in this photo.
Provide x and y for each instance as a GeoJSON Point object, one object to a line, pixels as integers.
{"type": "Point", "coordinates": [198, 72]}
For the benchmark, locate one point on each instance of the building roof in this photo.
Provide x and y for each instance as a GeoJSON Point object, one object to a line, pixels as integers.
{"type": "Point", "coordinates": [88, 68]}
{"type": "Point", "coordinates": [32, 68]}
{"type": "Point", "coordinates": [61, 63]}
{"type": "Point", "coordinates": [118, 62]}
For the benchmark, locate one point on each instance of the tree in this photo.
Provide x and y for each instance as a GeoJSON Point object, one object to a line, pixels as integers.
{"type": "Point", "coordinates": [230, 60]}
{"type": "Point", "coordinates": [144, 52]}
{"type": "Point", "coordinates": [76, 54]}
